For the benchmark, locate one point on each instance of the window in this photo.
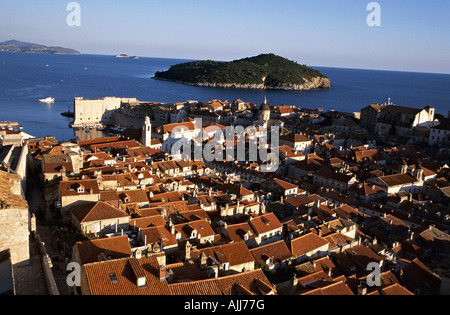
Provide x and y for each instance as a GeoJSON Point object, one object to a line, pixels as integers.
{"type": "Point", "coordinates": [113, 277]}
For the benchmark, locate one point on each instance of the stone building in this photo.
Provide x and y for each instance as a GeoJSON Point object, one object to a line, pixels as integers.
{"type": "Point", "coordinates": [400, 120]}
{"type": "Point", "coordinates": [97, 112]}
{"type": "Point", "coordinates": [392, 184]}
{"type": "Point", "coordinates": [440, 135]}
{"type": "Point", "coordinates": [369, 117]}
{"type": "Point", "coordinates": [14, 219]}
{"type": "Point", "coordinates": [76, 193]}
{"type": "Point", "coordinates": [99, 218]}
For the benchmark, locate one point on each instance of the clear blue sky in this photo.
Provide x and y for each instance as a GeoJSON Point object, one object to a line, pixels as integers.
{"type": "Point", "coordinates": [414, 35]}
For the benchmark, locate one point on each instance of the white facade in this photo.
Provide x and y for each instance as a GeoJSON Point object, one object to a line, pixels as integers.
{"type": "Point", "coordinates": [97, 112]}
{"type": "Point", "coordinates": [439, 135]}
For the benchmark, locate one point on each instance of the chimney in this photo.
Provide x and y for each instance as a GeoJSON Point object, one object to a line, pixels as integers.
{"type": "Point", "coordinates": [138, 273]}
{"type": "Point", "coordinates": [294, 281]}
{"type": "Point", "coordinates": [317, 203]}
{"type": "Point", "coordinates": [162, 272]}
{"type": "Point", "coordinates": [362, 290]}
{"type": "Point", "coordinates": [330, 272]}
{"type": "Point", "coordinates": [187, 251]}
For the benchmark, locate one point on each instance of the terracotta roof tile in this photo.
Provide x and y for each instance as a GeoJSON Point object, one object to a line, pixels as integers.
{"type": "Point", "coordinates": [307, 243]}
{"type": "Point", "coordinates": [254, 282]}
{"type": "Point", "coordinates": [338, 288]}
{"type": "Point", "coordinates": [97, 212]}
{"type": "Point", "coordinates": [114, 247]}
{"type": "Point", "coordinates": [265, 223]}
{"type": "Point", "coordinates": [117, 277]}
{"type": "Point", "coordinates": [277, 251]}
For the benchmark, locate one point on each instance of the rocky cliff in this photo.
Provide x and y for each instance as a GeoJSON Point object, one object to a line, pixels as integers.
{"type": "Point", "coordinates": [313, 84]}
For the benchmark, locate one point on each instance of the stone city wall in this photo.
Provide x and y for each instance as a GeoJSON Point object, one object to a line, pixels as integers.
{"type": "Point", "coordinates": [97, 112]}
{"type": "Point", "coordinates": [14, 234]}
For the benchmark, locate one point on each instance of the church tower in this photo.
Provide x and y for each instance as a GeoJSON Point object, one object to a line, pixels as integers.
{"type": "Point", "coordinates": [264, 112]}
{"type": "Point", "coordinates": [147, 133]}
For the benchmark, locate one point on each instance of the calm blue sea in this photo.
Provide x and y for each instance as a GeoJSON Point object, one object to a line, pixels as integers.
{"type": "Point", "coordinates": [26, 78]}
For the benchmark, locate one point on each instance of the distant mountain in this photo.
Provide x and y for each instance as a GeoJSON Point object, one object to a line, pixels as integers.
{"type": "Point", "coordinates": [266, 71]}
{"type": "Point", "coordinates": [18, 46]}
{"type": "Point", "coordinates": [18, 43]}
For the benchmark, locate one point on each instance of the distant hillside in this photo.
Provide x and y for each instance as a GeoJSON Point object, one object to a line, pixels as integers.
{"type": "Point", "coordinates": [266, 71]}
{"type": "Point", "coordinates": [18, 46]}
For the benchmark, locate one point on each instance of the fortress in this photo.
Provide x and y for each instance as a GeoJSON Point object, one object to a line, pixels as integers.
{"type": "Point", "coordinates": [99, 112]}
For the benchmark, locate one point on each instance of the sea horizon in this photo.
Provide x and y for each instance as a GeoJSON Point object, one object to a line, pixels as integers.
{"type": "Point", "coordinates": [190, 59]}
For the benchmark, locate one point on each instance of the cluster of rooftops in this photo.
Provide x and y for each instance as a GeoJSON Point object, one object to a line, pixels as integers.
{"type": "Point", "coordinates": [163, 226]}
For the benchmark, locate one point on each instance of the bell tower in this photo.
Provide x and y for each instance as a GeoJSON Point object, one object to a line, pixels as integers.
{"type": "Point", "coordinates": [147, 132]}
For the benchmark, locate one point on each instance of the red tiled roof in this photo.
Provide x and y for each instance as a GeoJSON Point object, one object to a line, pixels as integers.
{"type": "Point", "coordinates": [233, 253]}
{"type": "Point", "coordinates": [254, 282]}
{"type": "Point", "coordinates": [159, 234]}
{"type": "Point", "coordinates": [156, 220]}
{"type": "Point", "coordinates": [338, 288]}
{"type": "Point", "coordinates": [69, 188]}
{"type": "Point", "coordinates": [116, 145]}
{"type": "Point", "coordinates": [135, 196]}
{"type": "Point", "coordinates": [117, 277]}
{"type": "Point", "coordinates": [398, 179]}
{"type": "Point", "coordinates": [84, 143]}
{"type": "Point", "coordinates": [202, 227]}
{"type": "Point", "coordinates": [307, 243]}
{"type": "Point", "coordinates": [265, 223]}
{"type": "Point", "coordinates": [277, 251]}
{"type": "Point", "coordinates": [97, 212]}
{"type": "Point", "coordinates": [114, 247]}
{"type": "Point", "coordinates": [395, 289]}
{"type": "Point", "coordinates": [365, 189]}
{"type": "Point", "coordinates": [285, 185]}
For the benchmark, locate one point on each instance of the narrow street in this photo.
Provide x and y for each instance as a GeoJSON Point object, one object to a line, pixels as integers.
{"type": "Point", "coordinates": [30, 279]}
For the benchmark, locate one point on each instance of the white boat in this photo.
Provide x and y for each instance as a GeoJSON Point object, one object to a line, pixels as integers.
{"type": "Point", "coordinates": [47, 100]}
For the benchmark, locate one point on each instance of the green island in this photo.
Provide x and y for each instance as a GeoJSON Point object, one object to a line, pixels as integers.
{"type": "Point", "coordinates": [266, 71]}
{"type": "Point", "coordinates": [18, 46]}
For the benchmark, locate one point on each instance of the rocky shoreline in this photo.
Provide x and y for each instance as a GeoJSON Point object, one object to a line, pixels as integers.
{"type": "Point", "coordinates": [314, 84]}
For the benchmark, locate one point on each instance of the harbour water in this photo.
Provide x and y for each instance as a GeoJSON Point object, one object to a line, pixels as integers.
{"type": "Point", "coordinates": [26, 78]}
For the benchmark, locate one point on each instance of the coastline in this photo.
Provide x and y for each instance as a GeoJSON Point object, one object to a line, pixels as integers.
{"type": "Point", "coordinates": [316, 83]}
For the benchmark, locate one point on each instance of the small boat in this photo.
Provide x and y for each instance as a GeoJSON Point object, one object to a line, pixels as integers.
{"type": "Point", "coordinates": [47, 100]}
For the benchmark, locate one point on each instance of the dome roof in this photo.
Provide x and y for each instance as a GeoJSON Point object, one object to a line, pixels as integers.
{"type": "Point", "coordinates": [265, 106]}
